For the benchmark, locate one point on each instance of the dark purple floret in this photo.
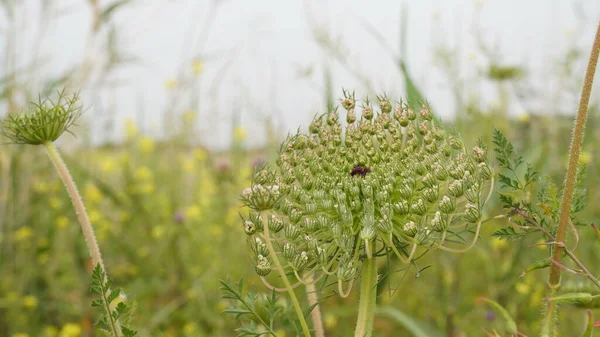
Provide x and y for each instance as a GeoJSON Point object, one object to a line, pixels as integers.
{"type": "Point", "coordinates": [360, 170]}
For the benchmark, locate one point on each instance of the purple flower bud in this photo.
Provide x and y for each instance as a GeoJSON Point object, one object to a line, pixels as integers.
{"type": "Point", "coordinates": [178, 217]}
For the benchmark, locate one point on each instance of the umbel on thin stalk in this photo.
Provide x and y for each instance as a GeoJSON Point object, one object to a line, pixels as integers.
{"type": "Point", "coordinates": [43, 124]}
{"type": "Point", "coordinates": [358, 186]}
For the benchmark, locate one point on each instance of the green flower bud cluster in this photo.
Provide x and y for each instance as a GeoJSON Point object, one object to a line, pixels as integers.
{"type": "Point", "coordinates": [387, 177]}
{"type": "Point", "coordinates": [45, 122]}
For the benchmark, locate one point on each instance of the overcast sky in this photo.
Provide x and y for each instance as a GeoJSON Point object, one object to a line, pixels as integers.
{"type": "Point", "coordinates": [260, 58]}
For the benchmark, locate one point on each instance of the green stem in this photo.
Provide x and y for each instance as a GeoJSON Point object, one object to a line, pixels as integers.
{"type": "Point", "coordinates": [578, 132]}
{"type": "Point", "coordinates": [311, 294]}
{"type": "Point", "coordinates": [84, 220]}
{"type": "Point", "coordinates": [283, 276]}
{"type": "Point", "coordinates": [368, 299]}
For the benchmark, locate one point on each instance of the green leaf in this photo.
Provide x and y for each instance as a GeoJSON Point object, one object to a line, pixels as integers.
{"type": "Point", "coordinates": [509, 234]}
{"type": "Point", "coordinates": [413, 325]}
{"type": "Point", "coordinates": [589, 329]}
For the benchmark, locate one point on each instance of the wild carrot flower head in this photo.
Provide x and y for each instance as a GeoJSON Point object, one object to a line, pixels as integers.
{"type": "Point", "coordinates": [45, 121]}
{"type": "Point", "coordinates": [392, 178]}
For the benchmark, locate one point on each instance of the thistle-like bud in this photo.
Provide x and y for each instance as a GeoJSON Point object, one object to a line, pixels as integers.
{"type": "Point", "coordinates": [472, 194]}
{"type": "Point", "coordinates": [447, 205]}
{"type": "Point", "coordinates": [472, 213]}
{"type": "Point", "coordinates": [426, 114]}
{"type": "Point", "coordinates": [300, 261]}
{"type": "Point", "coordinates": [439, 223]}
{"type": "Point", "coordinates": [456, 143]}
{"type": "Point", "coordinates": [263, 266]}
{"type": "Point", "coordinates": [432, 193]}
{"type": "Point", "coordinates": [485, 171]}
{"type": "Point", "coordinates": [291, 232]}
{"type": "Point", "coordinates": [260, 248]}
{"type": "Point", "coordinates": [46, 121]}
{"type": "Point", "coordinates": [479, 154]}
{"type": "Point", "coordinates": [367, 233]}
{"type": "Point", "coordinates": [418, 207]}
{"type": "Point", "coordinates": [410, 229]}
{"type": "Point", "coordinates": [249, 227]}
{"type": "Point", "coordinates": [275, 224]}
{"type": "Point", "coordinates": [402, 207]}
{"type": "Point", "coordinates": [261, 198]}
{"type": "Point", "coordinates": [350, 116]}
{"type": "Point", "coordinates": [289, 251]}
{"type": "Point", "coordinates": [456, 188]}
{"type": "Point", "coordinates": [347, 272]}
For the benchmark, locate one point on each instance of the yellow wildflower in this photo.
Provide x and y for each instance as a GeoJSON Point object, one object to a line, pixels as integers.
{"type": "Point", "coordinates": [522, 288]}
{"type": "Point", "coordinates": [171, 83]}
{"type": "Point", "coordinates": [62, 221]}
{"type": "Point", "coordinates": [239, 134]}
{"type": "Point", "coordinates": [30, 302]}
{"type": "Point", "coordinates": [158, 231]}
{"type": "Point", "coordinates": [523, 117]}
{"type": "Point", "coordinates": [143, 173]}
{"type": "Point", "coordinates": [70, 330]}
{"type": "Point", "coordinates": [92, 193]}
{"type": "Point", "coordinates": [55, 203]}
{"type": "Point", "coordinates": [330, 321]}
{"type": "Point", "coordinates": [585, 157]}
{"type": "Point", "coordinates": [50, 331]}
{"type": "Point", "coordinates": [108, 165]}
{"type": "Point", "coordinates": [192, 212]}
{"type": "Point", "coordinates": [499, 244]}
{"type": "Point", "coordinates": [146, 145]}
{"type": "Point", "coordinates": [190, 328]}
{"type": "Point", "coordinates": [130, 128]}
{"type": "Point", "coordinates": [188, 164]}
{"type": "Point", "coordinates": [189, 116]}
{"type": "Point", "coordinates": [197, 66]}
{"type": "Point", "coordinates": [200, 154]}
{"type": "Point", "coordinates": [23, 233]}
{"type": "Point", "coordinates": [95, 216]}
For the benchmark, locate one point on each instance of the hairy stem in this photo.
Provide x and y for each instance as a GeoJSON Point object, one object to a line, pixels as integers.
{"type": "Point", "coordinates": [84, 220]}
{"type": "Point", "coordinates": [283, 276]}
{"type": "Point", "coordinates": [578, 132]}
{"type": "Point", "coordinates": [311, 294]}
{"type": "Point", "coordinates": [368, 299]}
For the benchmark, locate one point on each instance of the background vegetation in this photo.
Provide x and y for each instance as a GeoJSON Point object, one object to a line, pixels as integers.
{"type": "Point", "coordinates": [165, 208]}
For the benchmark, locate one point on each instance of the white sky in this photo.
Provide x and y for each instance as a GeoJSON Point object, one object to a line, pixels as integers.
{"type": "Point", "coordinates": [261, 59]}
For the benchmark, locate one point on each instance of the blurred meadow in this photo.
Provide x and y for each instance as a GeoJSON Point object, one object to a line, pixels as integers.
{"type": "Point", "coordinates": [184, 98]}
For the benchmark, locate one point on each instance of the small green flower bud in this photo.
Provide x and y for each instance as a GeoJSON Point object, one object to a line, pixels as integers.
{"type": "Point", "coordinates": [411, 114]}
{"type": "Point", "coordinates": [348, 102]}
{"type": "Point", "coordinates": [456, 188]}
{"type": "Point", "coordinates": [261, 198]}
{"type": "Point", "coordinates": [384, 104]}
{"type": "Point", "coordinates": [367, 112]}
{"type": "Point", "coordinates": [346, 242]}
{"type": "Point", "coordinates": [428, 180]}
{"type": "Point", "coordinates": [289, 251]}
{"type": "Point", "coordinates": [423, 128]}
{"type": "Point", "coordinates": [291, 232]}
{"type": "Point", "coordinates": [402, 207]}
{"type": "Point", "coordinates": [367, 233]}
{"type": "Point", "coordinates": [275, 224]}
{"type": "Point", "coordinates": [472, 194]}
{"type": "Point", "coordinates": [257, 221]}
{"type": "Point", "coordinates": [385, 226]}
{"type": "Point", "coordinates": [432, 193]}
{"type": "Point", "coordinates": [310, 225]}
{"type": "Point", "coordinates": [425, 113]}
{"type": "Point", "coordinates": [479, 154]}
{"type": "Point", "coordinates": [440, 172]}
{"type": "Point", "coordinates": [402, 118]}
{"type": "Point", "coordinates": [410, 229]}
{"type": "Point", "coordinates": [347, 271]}
{"type": "Point", "coordinates": [311, 208]}
{"type": "Point", "coordinates": [249, 227]}
{"type": "Point", "coordinates": [418, 207]}
{"type": "Point", "coordinates": [424, 236]}
{"type": "Point", "coordinates": [260, 248]}
{"type": "Point", "coordinates": [263, 266]}
{"type": "Point", "coordinates": [485, 171]}
{"type": "Point", "coordinates": [322, 256]}
{"type": "Point", "coordinates": [300, 261]}
{"type": "Point", "coordinates": [351, 116]}
{"type": "Point", "coordinates": [439, 223]}
{"type": "Point", "coordinates": [472, 213]}
{"type": "Point", "coordinates": [45, 122]}
{"type": "Point", "coordinates": [447, 205]}
{"type": "Point", "coordinates": [405, 192]}
{"type": "Point", "coordinates": [295, 216]}
{"type": "Point", "coordinates": [455, 143]}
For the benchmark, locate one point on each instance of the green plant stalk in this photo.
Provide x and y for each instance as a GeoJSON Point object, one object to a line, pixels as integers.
{"type": "Point", "coordinates": [311, 294]}
{"type": "Point", "coordinates": [368, 299]}
{"type": "Point", "coordinates": [576, 141]}
{"type": "Point", "coordinates": [82, 216]}
{"type": "Point", "coordinates": [283, 276]}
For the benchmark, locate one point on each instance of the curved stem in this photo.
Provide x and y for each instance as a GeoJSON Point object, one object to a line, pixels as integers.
{"type": "Point", "coordinates": [578, 132]}
{"type": "Point", "coordinates": [311, 294]}
{"type": "Point", "coordinates": [452, 250]}
{"type": "Point", "coordinates": [368, 299]}
{"type": "Point", "coordinates": [283, 276]}
{"type": "Point", "coordinates": [84, 221]}
{"type": "Point", "coordinates": [344, 294]}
